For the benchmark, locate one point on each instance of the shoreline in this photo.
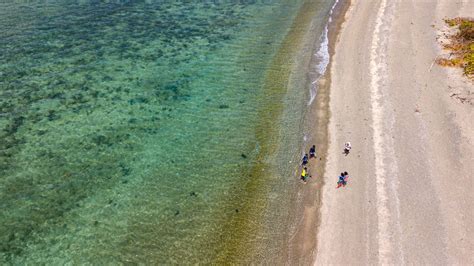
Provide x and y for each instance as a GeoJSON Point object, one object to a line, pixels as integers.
{"type": "Point", "coordinates": [284, 83]}
{"type": "Point", "coordinates": [303, 245]}
{"type": "Point", "coordinates": [402, 204]}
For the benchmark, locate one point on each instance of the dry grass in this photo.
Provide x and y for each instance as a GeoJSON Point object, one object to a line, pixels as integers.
{"type": "Point", "coordinates": [460, 45]}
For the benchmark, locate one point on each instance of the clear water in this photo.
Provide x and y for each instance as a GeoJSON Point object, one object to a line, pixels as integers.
{"type": "Point", "coordinates": [130, 131]}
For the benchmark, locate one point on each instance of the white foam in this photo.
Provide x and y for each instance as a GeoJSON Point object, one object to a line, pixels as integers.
{"type": "Point", "coordinates": [322, 56]}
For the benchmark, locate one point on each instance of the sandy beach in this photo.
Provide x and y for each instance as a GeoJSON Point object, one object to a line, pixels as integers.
{"type": "Point", "coordinates": [409, 196]}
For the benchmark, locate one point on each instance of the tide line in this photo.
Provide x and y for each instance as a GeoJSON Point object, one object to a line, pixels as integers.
{"type": "Point", "coordinates": [383, 145]}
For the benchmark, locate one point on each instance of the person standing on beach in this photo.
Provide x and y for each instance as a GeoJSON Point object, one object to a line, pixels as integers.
{"type": "Point", "coordinates": [342, 180]}
{"type": "Point", "coordinates": [347, 148]}
{"type": "Point", "coordinates": [305, 160]}
{"type": "Point", "coordinates": [312, 152]}
{"type": "Point", "coordinates": [304, 174]}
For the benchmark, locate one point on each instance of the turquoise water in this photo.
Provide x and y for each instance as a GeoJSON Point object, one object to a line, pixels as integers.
{"type": "Point", "coordinates": [128, 130]}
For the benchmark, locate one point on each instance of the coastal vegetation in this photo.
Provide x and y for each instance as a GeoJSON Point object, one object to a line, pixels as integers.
{"type": "Point", "coordinates": [461, 45]}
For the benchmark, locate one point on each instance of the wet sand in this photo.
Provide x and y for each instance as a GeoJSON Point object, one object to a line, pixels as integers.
{"type": "Point", "coordinates": [409, 195]}
{"type": "Point", "coordinates": [302, 245]}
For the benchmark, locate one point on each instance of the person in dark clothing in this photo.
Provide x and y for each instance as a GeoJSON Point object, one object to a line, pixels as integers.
{"type": "Point", "coordinates": [312, 151]}
{"type": "Point", "coordinates": [305, 160]}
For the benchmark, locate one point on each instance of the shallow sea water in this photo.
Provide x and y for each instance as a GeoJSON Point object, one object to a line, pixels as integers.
{"type": "Point", "coordinates": [127, 129]}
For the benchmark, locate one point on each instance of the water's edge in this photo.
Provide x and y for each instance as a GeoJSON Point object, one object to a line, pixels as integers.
{"type": "Point", "coordinates": [280, 154]}
{"type": "Point", "coordinates": [318, 123]}
{"type": "Point", "coordinates": [302, 246]}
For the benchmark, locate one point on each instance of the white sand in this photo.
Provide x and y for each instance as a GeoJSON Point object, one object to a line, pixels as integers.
{"type": "Point", "coordinates": [410, 195]}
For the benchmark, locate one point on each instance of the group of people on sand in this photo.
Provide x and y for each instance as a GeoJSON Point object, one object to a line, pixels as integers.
{"type": "Point", "coordinates": [304, 172]}
{"type": "Point", "coordinates": [342, 179]}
